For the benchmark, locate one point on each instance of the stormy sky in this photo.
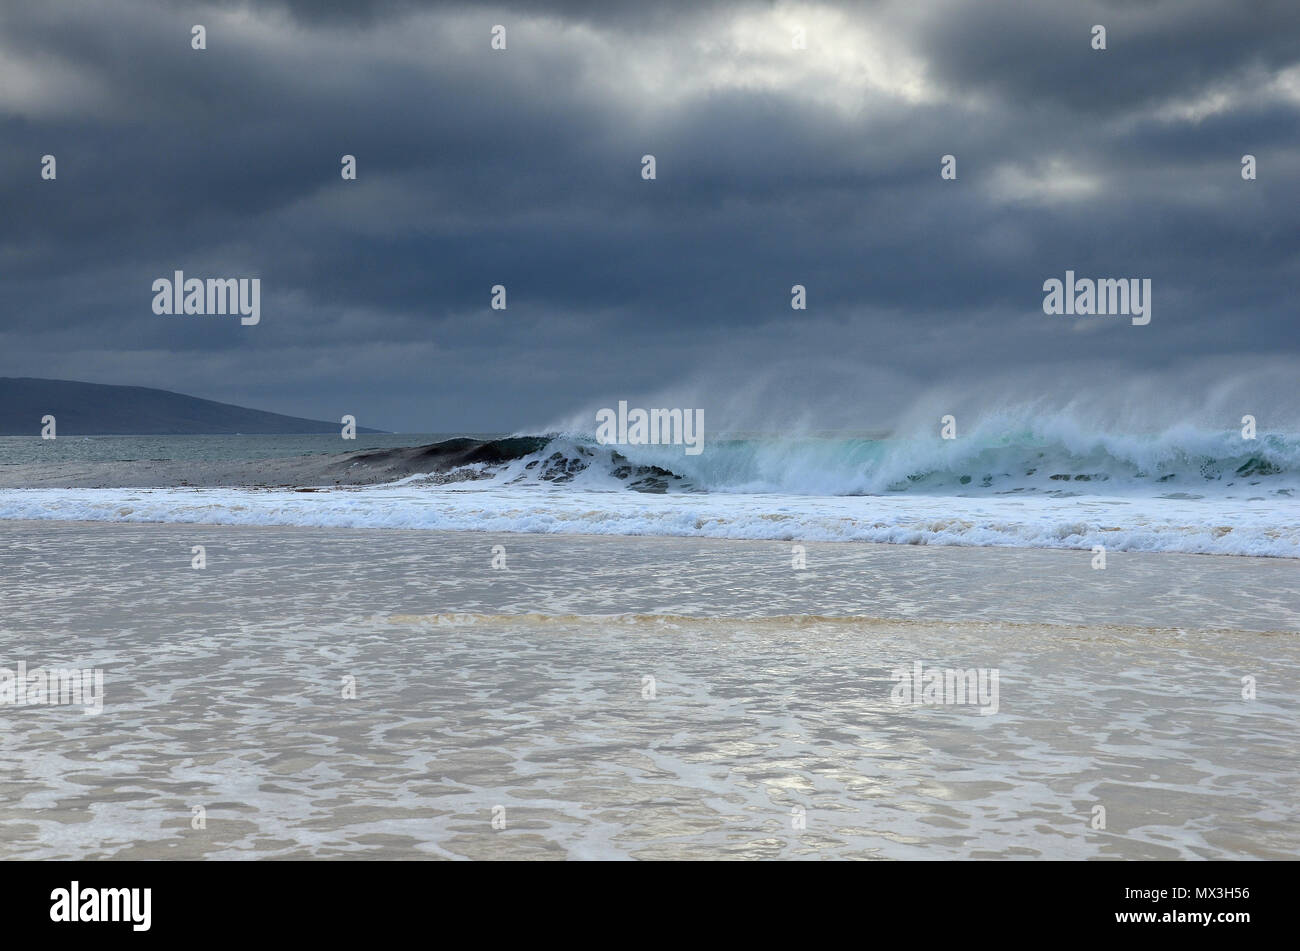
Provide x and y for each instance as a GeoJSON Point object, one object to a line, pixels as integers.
{"type": "Point", "coordinates": [775, 166]}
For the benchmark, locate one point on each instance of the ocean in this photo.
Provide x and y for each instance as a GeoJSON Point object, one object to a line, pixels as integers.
{"type": "Point", "coordinates": [29, 450]}
{"type": "Point", "coordinates": [1185, 490]}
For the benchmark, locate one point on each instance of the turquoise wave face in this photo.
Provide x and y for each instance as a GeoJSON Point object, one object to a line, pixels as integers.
{"type": "Point", "coordinates": [993, 462]}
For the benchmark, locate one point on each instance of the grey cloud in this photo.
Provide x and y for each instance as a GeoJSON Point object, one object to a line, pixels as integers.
{"type": "Point", "coordinates": [523, 169]}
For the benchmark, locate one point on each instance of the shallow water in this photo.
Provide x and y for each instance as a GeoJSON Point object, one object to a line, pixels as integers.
{"type": "Point", "coordinates": [1201, 526]}
{"type": "Point", "coordinates": [478, 688]}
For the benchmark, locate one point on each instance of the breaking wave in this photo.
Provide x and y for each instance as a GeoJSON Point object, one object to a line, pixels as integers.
{"type": "Point", "coordinates": [1054, 460]}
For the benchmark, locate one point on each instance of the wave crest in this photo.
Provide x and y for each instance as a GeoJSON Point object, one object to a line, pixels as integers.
{"type": "Point", "coordinates": [1055, 458]}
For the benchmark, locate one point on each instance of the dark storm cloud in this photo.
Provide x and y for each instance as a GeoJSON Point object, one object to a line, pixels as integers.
{"type": "Point", "coordinates": [775, 167]}
{"type": "Point", "coordinates": [1030, 55]}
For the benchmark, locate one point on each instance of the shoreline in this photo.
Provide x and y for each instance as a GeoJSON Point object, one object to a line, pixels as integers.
{"type": "Point", "coordinates": [1073, 523]}
{"type": "Point", "coordinates": [31, 522]}
{"type": "Point", "coordinates": [604, 574]}
{"type": "Point", "coordinates": [627, 536]}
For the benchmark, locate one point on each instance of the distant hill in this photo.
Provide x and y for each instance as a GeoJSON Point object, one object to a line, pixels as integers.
{"type": "Point", "coordinates": [96, 409]}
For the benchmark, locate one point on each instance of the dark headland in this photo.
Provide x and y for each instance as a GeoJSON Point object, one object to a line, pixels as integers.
{"type": "Point", "coordinates": [97, 409]}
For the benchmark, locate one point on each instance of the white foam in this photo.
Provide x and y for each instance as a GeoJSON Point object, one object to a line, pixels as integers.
{"type": "Point", "coordinates": [1243, 526]}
